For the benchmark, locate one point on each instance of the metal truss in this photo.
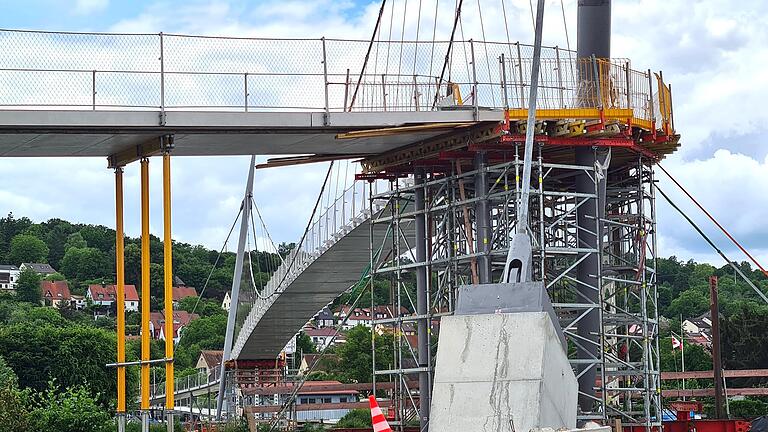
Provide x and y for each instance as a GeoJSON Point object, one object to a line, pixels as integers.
{"type": "Point", "coordinates": [627, 379]}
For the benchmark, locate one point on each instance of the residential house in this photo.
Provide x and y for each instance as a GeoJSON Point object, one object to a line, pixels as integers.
{"type": "Point", "coordinates": [42, 269]}
{"type": "Point", "coordinates": [105, 295]}
{"type": "Point", "coordinates": [9, 276]}
{"type": "Point", "coordinates": [209, 361]}
{"type": "Point", "coordinates": [324, 318]}
{"type": "Point", "coordinates": [324, 337]}
{"type": "Point", "coordinates": [78, 302]}
{"type": "Point", "coordinates": [311, 392]}
{"type": "Point", "coordinates": [699, 330]}
{"type": "Point", "coordinates": [181, 319]}
{"type": "Point", "coordinates": [182, 292]}
{"type": "Point", "coordinates": [226, 302]}
{"type": "Point", "coordinates": [308, 361]}
{"type": "Point", "coordinates": [365, 315]}
{"type": "Point", "coordinates": [55, 293]}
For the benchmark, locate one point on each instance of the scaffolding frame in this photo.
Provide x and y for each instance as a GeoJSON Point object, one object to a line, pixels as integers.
{"type": "Point", "coordinates": [627, 384]}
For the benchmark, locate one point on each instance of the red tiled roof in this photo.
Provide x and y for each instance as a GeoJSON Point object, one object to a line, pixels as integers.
{"type": "Point", "coordinates": [108, 292]}
{"type": "Point", "coordinates": [180, 319]}
{"type": "Point", "coordinates": [180, 292]}
{"type": "Point", "coordinates": [55, 290]}
{"type": "Point", "coordinates": [212, 358]}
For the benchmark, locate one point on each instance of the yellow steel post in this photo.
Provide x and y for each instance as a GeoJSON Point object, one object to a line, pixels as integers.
{"type": "Point", "coordinates": [120, 268]}
{"type": "Point", "coordinates": [145, 355]}
{"type": "Point", "coordinates": [168, 285]}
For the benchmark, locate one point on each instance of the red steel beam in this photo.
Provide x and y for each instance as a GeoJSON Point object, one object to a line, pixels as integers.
{"type": "Point", "coordinates": [745, 373]}
{"type": "Point", "coordinates": [312, 407]}
{"type": "Point", "coordinates": [710, 392]}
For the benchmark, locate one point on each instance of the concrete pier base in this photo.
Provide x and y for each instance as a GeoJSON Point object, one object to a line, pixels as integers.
{"type": "Point", "coordinates": [504, 372]}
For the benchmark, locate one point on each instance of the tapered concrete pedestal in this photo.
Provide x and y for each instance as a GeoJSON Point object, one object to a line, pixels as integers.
{"type": "Point", "coordinates": [502, 372]}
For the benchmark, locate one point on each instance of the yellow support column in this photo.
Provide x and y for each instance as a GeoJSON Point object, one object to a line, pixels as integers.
{"type": "Point", "coordinates": [120, 268]}
{"type": "Point", "coordinates": [168, 285]}
{"type": "Point", "coordinates": [145, 354]}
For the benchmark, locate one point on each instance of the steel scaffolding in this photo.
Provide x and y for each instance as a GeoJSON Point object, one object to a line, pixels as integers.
{"type": "Point", "coordinates": [626, 364]}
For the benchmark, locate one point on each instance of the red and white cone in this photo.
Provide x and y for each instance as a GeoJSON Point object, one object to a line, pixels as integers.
{"type": "Point", "coordinates": [377, 417]}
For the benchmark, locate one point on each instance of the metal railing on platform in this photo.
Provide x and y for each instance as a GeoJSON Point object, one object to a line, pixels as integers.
{"type": "Point", "coordinates": [99, 71]}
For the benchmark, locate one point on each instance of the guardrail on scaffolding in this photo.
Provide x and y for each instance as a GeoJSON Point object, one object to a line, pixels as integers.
{"type": "Point", "coordinates": [100, 71]}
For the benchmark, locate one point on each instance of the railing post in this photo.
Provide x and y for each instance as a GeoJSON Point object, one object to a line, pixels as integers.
{"type": "Point", "coordinates": [162, 82]}
{"type": "Point", "coordinates": [475, 109]}
{"type": "Point", "coordinates": [559, 77]}
{"type": "Point", "coordinates": [652, 114]}
{"type": "Point", "coordinates": [346, 89]}
{"type": "Point", "coordinates": [522, 80]}
{"type": "Point", "coordinates": [415, 93]}
{"type": "Point", "coordinates": [354, 197]}
{"type": "Point", "coordinates": [245, 87]}
{"type": "Point", "coordinates": [93, 91]}
{"type": "Point", "coordinates": [327, 119]}
{"type": "Point", "coordinates": [384, 91]}
{"type": "Point", "coordinates": [596, 71]}
{"type": "Point", "coordinates": [502, 64]}
{"type": "Point", "coordinates": [628, 77]}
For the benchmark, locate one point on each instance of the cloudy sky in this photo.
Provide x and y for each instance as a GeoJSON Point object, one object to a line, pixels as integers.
{"type": "Point", "coordinates": [714, 53]}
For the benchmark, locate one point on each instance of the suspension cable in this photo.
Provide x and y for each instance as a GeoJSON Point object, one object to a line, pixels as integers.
{"type": "Point", "coordinates": [448, 52]}
{"type": "Point", "coordinates": [367, 55]}
{"type": "Point", "coordinates": [221, 251]}
{"type": "Point", "coordinates": [712, 218]}
{"type": "Point", "coordinates": [485, 50]}
{"type": "Point", "coordinates": [416, 44]}
{"type": "Point", "coordinates": [434, 34]}
{"type": "Point", "coordinates": [712, 244]}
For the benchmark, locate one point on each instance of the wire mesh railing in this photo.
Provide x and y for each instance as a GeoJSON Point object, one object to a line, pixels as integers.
{"type": "Point", "coordinates": [201, 380]}
{"type": "Point", "coordinates": [342, 206]}
{"type": "Point", "coordinates": [99, 71]}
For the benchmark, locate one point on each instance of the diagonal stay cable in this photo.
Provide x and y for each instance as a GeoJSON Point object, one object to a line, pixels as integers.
{"type": "Point", "coordinates": [368, 55]}
{"type": "Point", "coordinates": [448, 52]}
{"type": "Point", "coordinates": [712, 244]}
{"type": "Point", "coordinates": [712, 218]}
{"type": "Point", "coordinates": [221, 251]}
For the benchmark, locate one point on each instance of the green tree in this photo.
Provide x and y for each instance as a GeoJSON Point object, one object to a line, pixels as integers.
{"type": "Point", "coordinates": [86, 263]}
{"type": "Point", "coordinates": [201, 334]}
{"type": "Point", "coordinates": [357, 418]}
{"type": "Point", "coordinates": [75, 240]}
{"type": "Point", "coordinates": [205, 307]}
{"type": "Point", "coordinates": [28, 287]}
{"type": "Point", "coordinates": [27, 248]}
{"type": "Point", "coordinates": [55, 277]}
{"type": "Point", "coordinates": [72, 409]}
{"type": "Point", "coordinates": [691, 303]}
{"type": "Point", "coordinates": [14, 414]}
{"type": "Point", "coordinates": [304, 344]}
{"type": "Point", "coordinates": [355, 355]}
{"type": "Point", "coordinates": [9, 228]}
{"type": "Point", "coordinates": [72, 355]}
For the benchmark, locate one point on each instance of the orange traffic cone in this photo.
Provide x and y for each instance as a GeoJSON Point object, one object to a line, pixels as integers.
{"type": "Point", "coordinates": [377, 417]}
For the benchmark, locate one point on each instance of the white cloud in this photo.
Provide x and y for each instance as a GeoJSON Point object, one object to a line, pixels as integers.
{"type": "Point", "coordinates": [85, 7]}
{"type": "Point", "coordinates": [713, 54]}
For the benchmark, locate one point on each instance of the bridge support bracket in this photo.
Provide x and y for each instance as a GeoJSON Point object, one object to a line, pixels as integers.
{"type": "Point", "coordinates": [148, 148]}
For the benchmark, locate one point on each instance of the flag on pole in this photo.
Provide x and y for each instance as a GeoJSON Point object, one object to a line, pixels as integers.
{"type": "Point", "coordinates": [677, 344]}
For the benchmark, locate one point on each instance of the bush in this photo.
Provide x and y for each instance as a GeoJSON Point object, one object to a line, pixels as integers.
{"type": "Point", "coordinates": [748, 408]}
{"type": "Point", "coordinates": [69, 410]}
{"type": "Point", "coordinates": [357, 418]}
